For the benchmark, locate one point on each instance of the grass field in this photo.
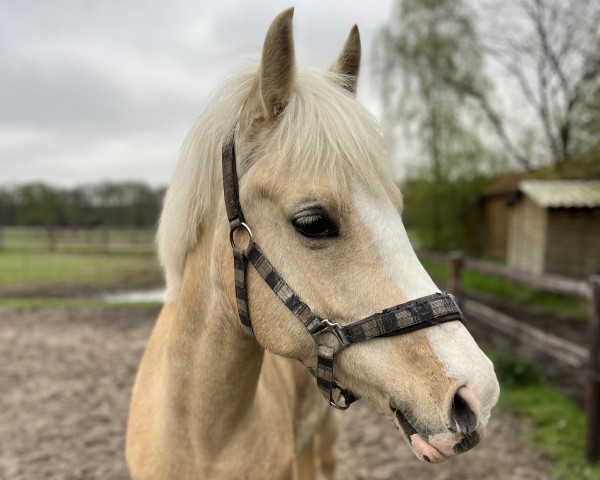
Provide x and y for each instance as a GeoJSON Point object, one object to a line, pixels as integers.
{"type": "Point", "coordinates": [77, 240]}
{"type": "Point", "coordinates": [43, 269]}
{"type": "Point", "coordinates": [77, 259]}
{"type": "Point", "coordinates": [511, 292]}
{"type": "Point", "coordinates": [70, 302]}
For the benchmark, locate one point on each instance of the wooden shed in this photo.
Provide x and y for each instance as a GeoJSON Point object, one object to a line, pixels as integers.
{"type": "Point", "coordinates": [553, 226]}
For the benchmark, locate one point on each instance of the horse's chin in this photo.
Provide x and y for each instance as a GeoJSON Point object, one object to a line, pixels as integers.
{"type": "Point", "coordinates": [425, 451]}
{"type": "Point", "coordinates": [433, 448]}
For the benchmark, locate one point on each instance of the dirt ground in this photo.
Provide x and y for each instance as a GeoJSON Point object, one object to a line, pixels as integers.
{"type": "Point", "coordinates": [66, 379]}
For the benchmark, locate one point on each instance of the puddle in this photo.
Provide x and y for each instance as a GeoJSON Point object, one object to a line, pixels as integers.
{"type": "Point", "coordinates": [135, 296]}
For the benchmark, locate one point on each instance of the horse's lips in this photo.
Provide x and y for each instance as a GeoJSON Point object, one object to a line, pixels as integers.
{"type": "Point", "coordinates": [420, 447]}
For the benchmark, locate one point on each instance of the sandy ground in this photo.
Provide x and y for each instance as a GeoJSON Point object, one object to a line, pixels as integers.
{"type": "Point", "coordinates": [66, 379]}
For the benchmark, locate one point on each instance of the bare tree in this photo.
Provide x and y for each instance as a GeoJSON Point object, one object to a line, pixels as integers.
{"type": "Point", "coordinates": [550, 51]}
{"type": "Point", "coordinates": [423, 53]}
{"type": "Point", "coordinates": [426, 56]}
{"type": "Point", "coordinates": [543, 57]}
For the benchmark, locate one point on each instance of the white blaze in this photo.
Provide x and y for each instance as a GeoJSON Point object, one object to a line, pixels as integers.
{"type": "Point", "coordinates": [452, 343]}
{"type": "Point", "coordinates": [389, 236]}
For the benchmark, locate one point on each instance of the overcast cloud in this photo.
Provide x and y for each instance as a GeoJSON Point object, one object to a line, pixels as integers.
{"type": "Point", "coordinates": [95, 90]}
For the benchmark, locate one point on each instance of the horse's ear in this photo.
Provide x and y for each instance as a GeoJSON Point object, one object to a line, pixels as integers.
{"type": "Point", "coordinates": [347, 64]}
{"type": "Point", "coordinates": [275, 77]}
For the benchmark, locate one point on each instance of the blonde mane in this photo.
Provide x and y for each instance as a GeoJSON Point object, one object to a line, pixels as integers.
{"type": "Point", "coordinates": [323, 131]}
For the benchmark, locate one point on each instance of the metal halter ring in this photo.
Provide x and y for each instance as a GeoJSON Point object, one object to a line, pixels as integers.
{"type": "Point", "coordinates": [334, 404]}
{"type": "Point", "coordinates": [237, 227]}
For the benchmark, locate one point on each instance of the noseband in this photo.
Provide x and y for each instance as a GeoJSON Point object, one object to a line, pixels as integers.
{"type": "Point", "coordinates": [407, 317]}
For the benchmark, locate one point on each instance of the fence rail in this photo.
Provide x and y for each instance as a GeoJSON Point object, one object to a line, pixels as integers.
{"type": "Point", "coordinates": [549, 283]}
{"type": "Point", "coordinates": [562, 350]}
{"type": "Point", "coordinates": [57, 239]}
{"type": "Point", "coordinates": [585, 360]}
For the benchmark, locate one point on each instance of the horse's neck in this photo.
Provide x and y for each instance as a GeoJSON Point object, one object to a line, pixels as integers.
{"type": "Point", "coordinates": [214, 366]}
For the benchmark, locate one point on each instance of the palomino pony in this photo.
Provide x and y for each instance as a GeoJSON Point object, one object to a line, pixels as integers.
{"type": "Point", "coordinates": [335, 285]}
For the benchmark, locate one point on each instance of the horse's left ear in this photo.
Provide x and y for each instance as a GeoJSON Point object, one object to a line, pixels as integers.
{"type": "Point", "coordinates": [273, 84]}
{"type": "Point", "coordinates": [347, 65]}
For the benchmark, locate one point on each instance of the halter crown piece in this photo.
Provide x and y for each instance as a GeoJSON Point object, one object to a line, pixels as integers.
{"type": "Point", "coordinates": [407, 317]}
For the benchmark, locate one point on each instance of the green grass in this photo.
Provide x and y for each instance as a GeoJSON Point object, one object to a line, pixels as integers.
{"type": "Point", "coordinates": [69, 302]}
{"type": "Point", "coordinates": [19, 269]}
{"type": "Point", "coordinates": [558, 423]}
{"type": "Point", "coordinates": [78, 240]}
{"type": "Point", "coordinates": [438, 270]}
{"type": "Point", "coordinates": [511, 291]}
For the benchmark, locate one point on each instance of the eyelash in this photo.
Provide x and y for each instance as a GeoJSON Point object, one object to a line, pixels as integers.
{"type": "Point", "coordinates": [316, 225]}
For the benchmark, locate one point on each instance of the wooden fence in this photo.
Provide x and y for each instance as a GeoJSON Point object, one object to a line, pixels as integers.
{"type": "Point", "coordinates": [585, 360]}
{"type": "Point", "coordinates": [76, 239]}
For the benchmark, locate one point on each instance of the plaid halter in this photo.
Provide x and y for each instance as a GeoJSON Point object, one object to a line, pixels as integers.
{"type": "Point", "coordinates": [407, 317]}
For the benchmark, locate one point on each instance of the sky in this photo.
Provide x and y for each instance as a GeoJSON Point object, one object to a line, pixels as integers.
{"type": "Point", "coordinates": [107, 89]}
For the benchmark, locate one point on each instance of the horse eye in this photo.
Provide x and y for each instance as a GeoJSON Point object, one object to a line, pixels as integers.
{"type": "Point", "coordinates": [316, 226]}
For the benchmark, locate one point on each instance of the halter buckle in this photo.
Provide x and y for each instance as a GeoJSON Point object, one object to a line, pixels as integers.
{"type": "Point", "coordinates": [325, 326]}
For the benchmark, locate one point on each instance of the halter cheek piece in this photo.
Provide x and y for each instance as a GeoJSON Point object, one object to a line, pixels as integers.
{"type": "Point", "coordinates": [407, 317]}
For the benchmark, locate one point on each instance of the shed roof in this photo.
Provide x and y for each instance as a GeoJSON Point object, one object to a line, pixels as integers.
{"type": "Point", "coordinates": [562, 193]}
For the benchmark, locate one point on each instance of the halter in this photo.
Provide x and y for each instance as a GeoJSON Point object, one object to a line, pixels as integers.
{"type": "Point", "coordinates": [410, 316]}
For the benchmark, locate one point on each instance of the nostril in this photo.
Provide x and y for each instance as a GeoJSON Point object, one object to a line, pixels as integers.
{"type": "Point", "coordinates": [461, 414]}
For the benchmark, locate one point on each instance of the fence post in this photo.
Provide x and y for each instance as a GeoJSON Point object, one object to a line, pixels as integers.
{"type": "Point", "coordinates": [456, 264]}
{"type": "Point", "coordinates": [592, 396]}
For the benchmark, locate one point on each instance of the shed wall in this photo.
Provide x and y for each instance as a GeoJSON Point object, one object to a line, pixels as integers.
{"type": "Point", "coordinates": [573, 243]}
{"type": "Point", "coordinates": [527, 237]}
{"type": "Point", "coordinates": [496, 228]}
